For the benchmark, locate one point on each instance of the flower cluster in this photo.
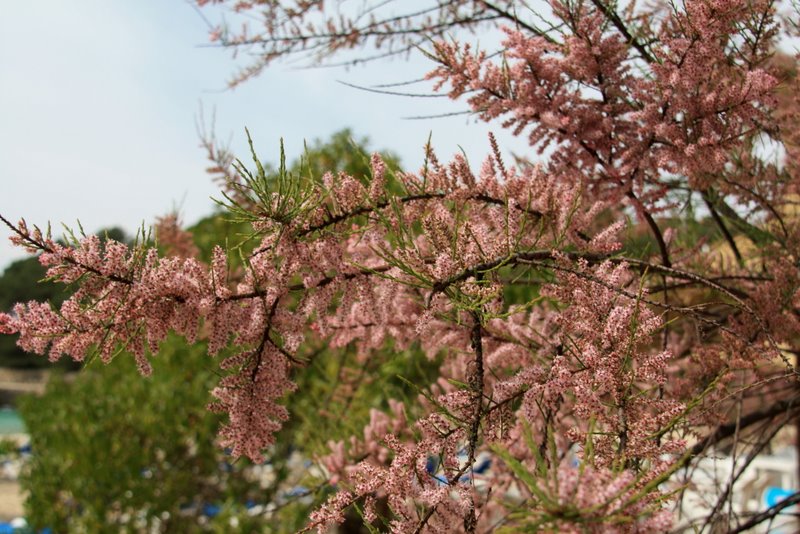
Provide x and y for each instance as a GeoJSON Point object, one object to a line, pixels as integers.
{"type": "Point", "coordinates": [620, 132]}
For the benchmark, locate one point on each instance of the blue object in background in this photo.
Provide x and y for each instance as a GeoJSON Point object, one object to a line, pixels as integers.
{"type": "Point", "coordinates": [773, 495]}
{"type": "Point", "coordinates": [297, 491]}
{"type": "Point", "coordinates": [226, 467]}
{"type": "Point", "coordinates": [482, 465]}
{"type": "Point", "coordinates": [430, 465]}
{"type": "Point", "coordinates": [210, 510]}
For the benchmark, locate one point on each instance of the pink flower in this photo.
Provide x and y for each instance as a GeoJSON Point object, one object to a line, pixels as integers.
{"type": "Point", "coordinates": [7, 324]}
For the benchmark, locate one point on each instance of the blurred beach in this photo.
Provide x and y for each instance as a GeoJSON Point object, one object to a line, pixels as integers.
{"type": "Point", "coordinates": [11, 500]}
{"type": "Point", "coordinates": [11, 497]}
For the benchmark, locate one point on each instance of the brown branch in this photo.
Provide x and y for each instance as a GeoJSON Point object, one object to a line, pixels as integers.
{"type": "Point", "coordinates": [721, 225]}
{"type": "Point", "coordinates": [768, 514]}
{"type": "Point", "coordinates": [590, 257]}
{"type": "Point", "coordinates": [365, 210]}
{"type": "Point", "coordinates": [323, 40]}
{"type": "Point", "coordinates": [725, 431]}
{"type": "Point", "coordinates": [475, 271]}
{"type": "Point", "coordinates": [735, 476]}
{"type": "Point", "coordinates": [332, 220]}
{"type": "Point", "coordinates": [476, 383]}
{"type": "Point", "coordinates": [690, 311]}
{"type": "Point", "coordinates": [620, 25]}
{"type": "Point", "coordinates": [651, 222]}
{"type": "Point", "coordinates": [265, 338]}
{"type": "Point", "coordinates": [517, 22]}
{"type": "Point", "coordinates": [44, 247]}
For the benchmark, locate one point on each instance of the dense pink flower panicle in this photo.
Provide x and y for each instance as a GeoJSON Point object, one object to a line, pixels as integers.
{"type": "Point", "coordinates": [396, 466]}
{"type": "Point", "coordinates": [605, 336]}
{"type": "Point", "coordinates": [175, 240]}
{"type": "Point", "coordinates": [131, 299]}
{"type": "Point", "coordinates": [250, 398]}
{"type": "Point", "coordinates": [621, 130]}
{"type": "Point", "coordinates": [7, 324]}
{"type": "Point", "coordinates": [607, 494]}
{"type": "Point", "coordinates": [128, 298]}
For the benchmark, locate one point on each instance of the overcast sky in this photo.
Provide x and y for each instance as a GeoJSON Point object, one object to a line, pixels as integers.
{"type": "Point", "coordinates": [98, 102]}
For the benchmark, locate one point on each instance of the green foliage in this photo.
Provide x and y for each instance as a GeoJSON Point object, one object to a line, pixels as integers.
{"type": "Point", "coordinates": [113, 451]}
{"type": "Point", "coordinates": [342, 153]}
{"type": "Point", "coordinates": [330, 412]}
{"type": "Point", "coordinates": [19, 283]}
{"type": "Point", "coordinates": [8, 448]}
{"type": "Point", "coordinates": [638, 240]}
{"type": "Point", "coordinates": [214, 230]}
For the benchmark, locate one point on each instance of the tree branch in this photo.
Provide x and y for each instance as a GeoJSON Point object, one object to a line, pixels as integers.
{"type": "Point", "coordinates": [620, 25]}
{"type": "Point", "coordinates": [768, 514]}
{"type": "Point", "coordinates": [728, 430]}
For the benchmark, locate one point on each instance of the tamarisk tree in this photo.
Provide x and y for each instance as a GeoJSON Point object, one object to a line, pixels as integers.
{"type": "Point", "coordinates": [592, 361]}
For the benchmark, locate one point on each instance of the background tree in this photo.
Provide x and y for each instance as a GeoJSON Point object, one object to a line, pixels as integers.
{"type": "Point", "coordinates": [112, 451]}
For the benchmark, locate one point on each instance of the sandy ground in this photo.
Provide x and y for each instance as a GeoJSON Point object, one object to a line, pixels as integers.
{"type": "Point", "coordinates": [11, 497]}
{"type": "Point", "coordinates": [10, 500]}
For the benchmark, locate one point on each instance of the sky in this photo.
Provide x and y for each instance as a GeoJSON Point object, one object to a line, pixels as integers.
{"type": "Point", "coordinates": [99, 101]}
